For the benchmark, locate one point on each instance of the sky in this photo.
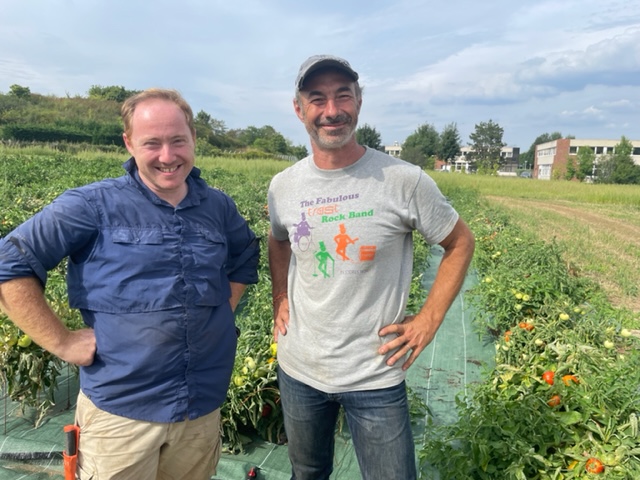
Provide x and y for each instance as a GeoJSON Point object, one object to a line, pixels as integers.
{"type": "Point", "coordinates": [533, 67]}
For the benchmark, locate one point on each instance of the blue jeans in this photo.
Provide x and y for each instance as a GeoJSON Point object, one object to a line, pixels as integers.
{"type": "Point", "coordinates": [378, 421]}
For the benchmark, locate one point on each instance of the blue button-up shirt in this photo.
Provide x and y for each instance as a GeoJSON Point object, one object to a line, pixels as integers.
{"type": "Point", "coordinates": [153, 282]}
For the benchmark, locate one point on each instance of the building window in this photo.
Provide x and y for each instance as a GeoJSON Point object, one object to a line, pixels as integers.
{"type": "Point", "coordinates": [599, 150]}
{"type": "Point", "coordinates": [573, 150]}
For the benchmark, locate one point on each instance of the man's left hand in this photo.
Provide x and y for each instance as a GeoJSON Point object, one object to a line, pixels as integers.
{"type": "Point", "coordinates": [413, 334]}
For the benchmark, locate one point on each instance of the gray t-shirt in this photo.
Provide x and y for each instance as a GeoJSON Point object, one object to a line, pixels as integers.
{"type": "Point", "coordinates": [351, 239]}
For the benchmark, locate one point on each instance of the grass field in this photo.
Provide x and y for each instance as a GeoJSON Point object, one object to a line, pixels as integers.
{"type": "Point", "coordinates": [597, 226]}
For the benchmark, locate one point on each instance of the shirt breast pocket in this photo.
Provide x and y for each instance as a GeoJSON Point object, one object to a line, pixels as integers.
{"type": "Point", "coordinates": [141, 256]}
{"type": "Point", "coordinates": [131, 236]}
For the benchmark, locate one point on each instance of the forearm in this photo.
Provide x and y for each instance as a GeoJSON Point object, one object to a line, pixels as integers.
{"type": "Point", "coordinates": [23, 301]}
{"type": "Point", "coordinates": [459, 247]}
{"type": "Point", "coordinates": [279, 258]}
{"type": "Point", "coordinates": [237, 290]}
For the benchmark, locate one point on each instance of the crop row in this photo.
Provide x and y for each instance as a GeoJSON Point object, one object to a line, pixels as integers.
{"type": "Point", "coordinates": [562, 400]}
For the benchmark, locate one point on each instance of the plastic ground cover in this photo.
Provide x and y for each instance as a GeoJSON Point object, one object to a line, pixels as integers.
{"type": "Point", "coordinates": [447, 367]}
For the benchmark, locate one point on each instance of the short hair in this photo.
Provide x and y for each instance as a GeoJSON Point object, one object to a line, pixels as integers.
{"type": "Point", "coordinates": [130, 104]}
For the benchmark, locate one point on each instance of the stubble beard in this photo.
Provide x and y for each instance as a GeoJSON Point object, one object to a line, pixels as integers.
{"type": "Point", "coordinates": [334, 140]}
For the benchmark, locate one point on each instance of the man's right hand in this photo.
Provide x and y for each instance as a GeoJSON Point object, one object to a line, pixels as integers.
{"type": "Point", "coordinates": [280, 317]}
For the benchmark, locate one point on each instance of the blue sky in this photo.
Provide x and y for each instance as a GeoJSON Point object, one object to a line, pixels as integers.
{"type": "Point", "coordinates": [533, 67]}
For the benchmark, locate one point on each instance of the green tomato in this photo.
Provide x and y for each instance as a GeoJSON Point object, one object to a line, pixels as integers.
{"type": "Point", "coordinates": [24, 341]}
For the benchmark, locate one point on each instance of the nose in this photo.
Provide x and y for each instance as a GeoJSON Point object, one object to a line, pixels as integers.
{"type": "Point", "coordinates": [331, 108]}
{"type": "Point", "coordinates": [166, 153]}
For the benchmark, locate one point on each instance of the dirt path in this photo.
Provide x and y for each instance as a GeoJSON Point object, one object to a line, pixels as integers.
{"type": "Point", "coordinates": [611, 235]}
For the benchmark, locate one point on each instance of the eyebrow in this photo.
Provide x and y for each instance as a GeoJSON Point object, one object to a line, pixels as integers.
{"type": "Point", "coordinates": [322, 94]}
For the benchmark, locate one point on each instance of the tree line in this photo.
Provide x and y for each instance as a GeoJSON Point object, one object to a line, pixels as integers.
{"type": "Point", "coordinates": [94, 119]}
{"type": "Point", "coordinates": [426, 145]}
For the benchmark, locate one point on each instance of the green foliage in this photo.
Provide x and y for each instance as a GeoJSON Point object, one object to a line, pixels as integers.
{"type": "Point", "coordinates": [369, 136]}
{"type": "Point", "coordinates": [19, 91]}
{"type": "Point", "coordinates": [112, 93]}
{"type": "Point", "coordinates": [487, 144]}
{"type": "Point", "coordinates": [619, 168]}
{"type": "Point", "coordinates": [421, 145]}
{"type": "Point", "coordinates": [93, 133]}
{"type": "Point", "coordinates": [26, 117]}
{"type": "Point", "coordinates": [541, 317]}
{"type": "Point", "coordinates": [449, 145]}
{"type": "Point", "coordinates": [586, 158]}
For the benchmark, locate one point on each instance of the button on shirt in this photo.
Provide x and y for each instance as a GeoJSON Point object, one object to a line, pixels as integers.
{"type": "Point", "coordinates": [153, 282]}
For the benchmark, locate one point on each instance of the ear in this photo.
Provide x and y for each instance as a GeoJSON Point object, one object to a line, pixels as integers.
{"type": "Point", "coordinates": [127, 143]}
{"type": "Point", "coordinates": [298, 109]}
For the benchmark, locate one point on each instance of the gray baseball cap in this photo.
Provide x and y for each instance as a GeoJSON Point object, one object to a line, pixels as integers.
{"type": "Point", "coordinates": [316, 62]}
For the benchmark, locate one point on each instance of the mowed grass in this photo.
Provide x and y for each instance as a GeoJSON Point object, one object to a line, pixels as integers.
{"type": "Point", "coordinates": [597, 226]}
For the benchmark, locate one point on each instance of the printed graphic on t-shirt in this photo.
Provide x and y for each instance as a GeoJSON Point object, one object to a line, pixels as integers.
{"type": "Point", "coordinates": [327, 231]}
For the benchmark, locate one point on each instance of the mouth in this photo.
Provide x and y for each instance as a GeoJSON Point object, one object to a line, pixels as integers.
{"type": "Point", "coordinates": [168, 169]}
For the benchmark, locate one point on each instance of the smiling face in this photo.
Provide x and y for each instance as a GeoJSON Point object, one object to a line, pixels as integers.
{"type": "Point", "coordinates": [329, 104]}
{"type": "Point", "coordinates": [163, 146]}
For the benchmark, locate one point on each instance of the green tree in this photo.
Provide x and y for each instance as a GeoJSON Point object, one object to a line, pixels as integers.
{"type": "Point", "coordinates": [619, 167]}
{"type": "Point", "coordinates": [212, 130]}
{"type": "Point", "coordinates": [113, 92]}
{"type": "Point", "coordinates": [299, 151]}
{"type": "Point", "coordinates": [274, 143]}
{"type": "Point", "coordinates": [369, 136]}
{"type": "Point", "coordinates": [487, 144]}
{"type": "Point", "coordinates": [19, 91]}
{"type": "Point", "coordinates": [421, 145]}
{"type": "Point", "coordinates": [586, 158]}
{"type": "Point", "coordinates": [572, 168]}
{"type": "Point", "coordinates": [449, 146]}
{"type": "Point", "coordinates": [526, 159]}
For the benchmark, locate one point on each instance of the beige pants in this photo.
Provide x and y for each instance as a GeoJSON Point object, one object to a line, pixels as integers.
{"type": "Point", "coordinates": [113, 447]}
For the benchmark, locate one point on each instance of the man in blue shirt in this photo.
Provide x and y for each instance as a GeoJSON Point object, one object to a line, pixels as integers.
{"type": "Point", "coordinates": [157, 263]}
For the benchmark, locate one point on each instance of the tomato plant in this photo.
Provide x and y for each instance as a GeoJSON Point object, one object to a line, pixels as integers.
{"type": "Point", "coordinates": [507, 429]}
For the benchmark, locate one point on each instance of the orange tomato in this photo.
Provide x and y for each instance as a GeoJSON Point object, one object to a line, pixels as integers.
{"type": "Point", "coordinates": [567, 379]}
{"type": "Point", "coordinates": [548, 376]}
{"type": "Point", "coordinates": [554, 401]}
{"type": "Point", "coordinates": [526, 326]}
{"type": "Point", "coordinates": [594, 465]}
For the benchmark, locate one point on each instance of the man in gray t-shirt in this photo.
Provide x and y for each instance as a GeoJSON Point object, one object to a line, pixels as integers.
{"type": "Point", "coordinates": [340, 254]}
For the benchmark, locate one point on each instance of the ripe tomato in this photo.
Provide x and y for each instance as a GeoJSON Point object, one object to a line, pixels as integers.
{"type": "Point", "coordinates": [554, 401]}
{"type": "Point", "coordinates": [548, 376]}
{"type": "Point", "coordinates": [507, 335]}
{"type": "Point", "coordinates": [567, 379]}
{"type": "Point", "coordinates": [594, 466]}
{"type": "Point", "coordinates": [266, 410]}
{"type": "Point", "coordinates": [526, 326]}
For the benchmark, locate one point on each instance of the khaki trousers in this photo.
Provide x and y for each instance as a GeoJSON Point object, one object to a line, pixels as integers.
{"type": "Point", "coordinates": [113, 447]}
